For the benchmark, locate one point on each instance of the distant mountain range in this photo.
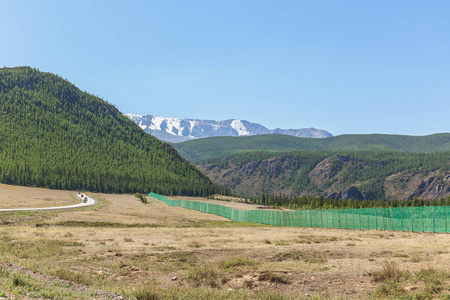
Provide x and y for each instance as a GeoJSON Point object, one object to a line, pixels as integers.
{"type": "Point", "coordinates": [176, 130]}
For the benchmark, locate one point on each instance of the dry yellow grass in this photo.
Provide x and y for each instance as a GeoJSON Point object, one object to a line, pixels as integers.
{"type": "Point", "coordinates": [27, 197]}
{"type": "Point", "coordinates": [186, 245]}
{"type": "Point", "coordinates": [233, 202]}
{"type": "Point", "coordinates": [128, 209]}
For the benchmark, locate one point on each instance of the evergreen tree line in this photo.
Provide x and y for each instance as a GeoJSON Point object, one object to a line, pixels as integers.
{"type": "Point", "coordinates": [53, 135]}
{"type": "Point", "coordinates": [200, 150]}
{"type": "Point", "coordinates": [305, 202]}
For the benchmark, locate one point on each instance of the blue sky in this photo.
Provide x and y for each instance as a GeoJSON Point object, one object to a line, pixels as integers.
{"type": "Point", "coordinates": [343, 66]}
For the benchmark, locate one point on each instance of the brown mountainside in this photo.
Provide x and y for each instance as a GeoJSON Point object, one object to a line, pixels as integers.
{"type": "Point", "coordinates": [335, 176]}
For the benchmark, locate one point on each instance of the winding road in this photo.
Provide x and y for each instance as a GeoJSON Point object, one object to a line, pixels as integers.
{"type": "Point", "coordinates": [89, 202]}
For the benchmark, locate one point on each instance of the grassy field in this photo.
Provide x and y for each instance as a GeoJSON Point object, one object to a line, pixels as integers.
{"type": "Point", "coordinates": [24, 197]}
{"type": "Point", "coordinates": [153, 251]}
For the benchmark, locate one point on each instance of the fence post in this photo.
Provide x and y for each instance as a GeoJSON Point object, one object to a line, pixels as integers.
{"type": "Point", "coordinates": [423, 219]}
{"type": "Point", "coordinates": [376, 218]}
{"type": "Point", "coordinates": [346, 219]}
{"type": "Point", "coordinates": [368, 221]}
{"type": "Point", "coordinates": [401, 216]}
{"type": "Point", "coordinates": [434, 220]}
{"type": "Point", "coordinates": [360, 225]}
{"type": "Point", "coordinates": [392, 218]}
{"type": "Point", "coordinates": [310, 218]}
{"type": "Point", "coordinates": [446, 211]}
{"type": "Point", "coordinates": [353, 218]}
{"type": "Point", "coordinates": [339, 219]}
{"type": "Point", "coordinates": [321, 217]}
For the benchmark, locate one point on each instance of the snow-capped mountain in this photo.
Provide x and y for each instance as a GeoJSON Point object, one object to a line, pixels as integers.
{"type": "Point", "coordinates": [178, 130]}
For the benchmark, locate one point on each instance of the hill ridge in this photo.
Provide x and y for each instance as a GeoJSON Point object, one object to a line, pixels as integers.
{"type": "Point", "coordinates": [203, 149]}
{"type": "Point", "coordinates": [54, 135]}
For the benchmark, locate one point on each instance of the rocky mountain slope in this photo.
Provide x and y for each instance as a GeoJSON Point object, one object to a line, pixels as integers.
{"type": "Point", "coordinates": [369, 175]}
{"type": "Point", "coordinates": [180, 130]}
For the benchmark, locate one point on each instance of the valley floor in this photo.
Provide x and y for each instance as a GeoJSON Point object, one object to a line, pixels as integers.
{"type": "Point", "coordinates": [153, 250]}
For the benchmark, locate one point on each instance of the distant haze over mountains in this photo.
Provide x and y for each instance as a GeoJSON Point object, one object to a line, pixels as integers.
{"type": "Point", "coordinates": [177, 130]}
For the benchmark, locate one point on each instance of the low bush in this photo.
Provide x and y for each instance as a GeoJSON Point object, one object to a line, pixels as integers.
{"type": "Point", "coordinates": [389, 272]}
{"type": "Point", "coordinates": [273, 277]}
{"type": "Point", "coordinates": [18, 280]}
{"type": "Point", "coordinates": [237, 262]}
{"type": "Point", "coordinates": [146, 294]}
{"type": "Point", "coordinates": [204, 276]}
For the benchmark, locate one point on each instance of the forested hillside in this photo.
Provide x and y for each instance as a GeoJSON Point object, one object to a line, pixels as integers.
{"type": "Point", "coordinates": [356, 175]}
{"type": "Point", "coordinates": [203, 149]}
{"type": "Point", "coordinates": [54, 135]}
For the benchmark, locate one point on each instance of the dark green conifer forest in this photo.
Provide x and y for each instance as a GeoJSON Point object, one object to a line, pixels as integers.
{"type": "Point", "coordinates": [56, 136]}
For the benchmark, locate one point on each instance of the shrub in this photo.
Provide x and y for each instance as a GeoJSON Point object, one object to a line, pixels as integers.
{"type": "Point", "coordinates": [17, 280]}
{"type": "Point", "coordinates": [195, 244]}
{"type": "Point", "coordinates": [432, 276]}
{"type": "Point", "coordinates": [390, 289]}
{"type": "Point", "coordinates": [71, 276]}
{"type": "Point", "coordinates": [289, 255]}
{"type": "Point", "coordinates": [236, 262]}
{"type": "Point", "coordinates": [145, 294]}
{"type": "Point", "coordinates": [204, 276]}
{"type": "Point", "coordinates": [273, 277]}
{"type": "Point", "coordinates": [390, 272]}
{"type": "Point", "coordinates": [142, 197]}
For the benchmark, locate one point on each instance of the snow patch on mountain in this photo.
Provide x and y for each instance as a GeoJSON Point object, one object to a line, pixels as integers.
{"type": "Point", "coordinates": [179, 129]}
{"type": "Point", "coordinates": [239, 127]}
{"type": "Point", "coordinates": [156, 123]}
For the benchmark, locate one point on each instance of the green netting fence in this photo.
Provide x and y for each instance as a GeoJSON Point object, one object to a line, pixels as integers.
{"type": "Point", "coordinates": [423, 218]}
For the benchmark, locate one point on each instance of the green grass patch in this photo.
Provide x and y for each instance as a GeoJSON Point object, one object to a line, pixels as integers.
{"type": "Point", "coordinates": [103, 224]}
{"type": "Point", "coordinates": [432, 276]}
{"type": "Point", "coordinates": [389, 272]}
{"type": "Point", "coordinates": [195, 244]}
{"type": "Point", "coordinates": [177, 256]}
{"type": "Point", "coordinates": [208, 293]}
{"type": "Point", "coordinates": [205, 277]}
{"type": "Point", "coordinates": [68, 243]}
{"type": "Point", "coordinates": [273, 277]}
{"type": "Point", "coordinates": [289, 255]}
{"type": "Point", "coordinates": [237, 262]}
{"type": "Point", "coordinates": [20, 280]}
{"type": "Point", "coordinates": [38, 248]}
{"type": "Point", "coordinates": [283, 243]}
{"type": "Point", "coordinates": [393, 281]}
{"type": "Point", "coordinates": [14, 285]}
{"type": "Point", "coordinates": [227, 224]}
